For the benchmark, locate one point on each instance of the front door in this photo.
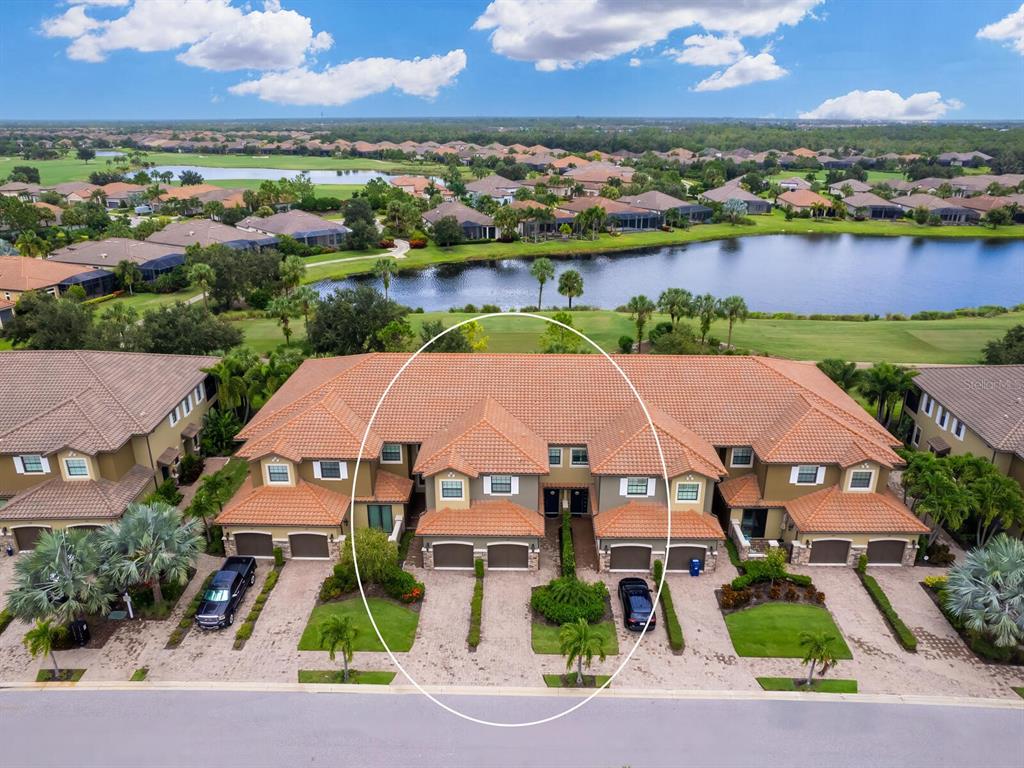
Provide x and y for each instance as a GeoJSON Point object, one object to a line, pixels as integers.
{"type": "Point", "coordinates": [579, 502]}
{"type": "Point", "coordinates": [380, 517]}
{"type": "Point", "coordinates": [551, 499]}
{"type": "Point", "coordinates": [754, 522]}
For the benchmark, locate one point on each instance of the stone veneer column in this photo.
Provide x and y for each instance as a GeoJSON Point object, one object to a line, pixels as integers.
{"type": "Point", "coordinates": [230, 550]}
{"type": "Point", "coordinates": [604, 560]}
{"type": "Point", "coordinates": [428, 558]}
{"type": "Point", "coordinates": [909, 554]}
{"type": "Point", "coordinates": [533, 561]}
{"type": "Point", "coordinates": [711, 561]}
{"type": "Point", "coordinates": [800, 554]}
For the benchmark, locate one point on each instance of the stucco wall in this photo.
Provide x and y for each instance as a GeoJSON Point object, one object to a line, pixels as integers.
{"type": "Point", "coordinates": [528, 496]}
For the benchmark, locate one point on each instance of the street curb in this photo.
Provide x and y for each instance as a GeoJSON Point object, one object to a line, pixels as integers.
{"type": "Point", "coordinates": [614, 693]}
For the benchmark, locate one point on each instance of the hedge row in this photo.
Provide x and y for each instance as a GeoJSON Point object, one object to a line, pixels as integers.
{"type": "Point", "coordinates": [190, 614]}
{"type": "Point", "coordinates": [672, 626]}
{"type": "Point", "coordinates": [245, 631]}
{"type": "Point", "coordinates": [903, 633]}
{"type": "Point", "coordinates": [568, 553]}
{"type": "Point", "coordinates": [476, 606]}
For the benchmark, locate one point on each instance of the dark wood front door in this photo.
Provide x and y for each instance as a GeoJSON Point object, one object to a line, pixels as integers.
{"type": "Point", "coordinates": [579, 501]}
{"type": "Point", "coordinates": [551, 499]}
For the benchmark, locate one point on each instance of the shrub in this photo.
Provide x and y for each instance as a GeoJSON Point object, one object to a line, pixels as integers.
{"type": "Point", "coordinates": [386, 242]}
{"type": "Point", "coordinates": [278, 557]}
{"type": "Point", "coordinates": [734, 556]}
{"type": "Point", "coordinates": [568, 552]}
{"type": "Point", "coordinates": [903, 633]}
{"type": "Point", "coordinates": [791, 594]}
{"type": "Point", "coordinates": [245, 631]}
{"type": "Point", "coordinates": [402, 585]}
{"type": "Point", "coordinates": [478, 568]}
{"type": "Point", "coordinates": [936, 582]}
{"type": "Point", "coordinates": [775, 592]}
{"type": "Point", "coordinates": [939, 554]}
{"type": "Point", "coordinates": [566, 600]}
{"type": "Point", "coordinates": [6, 617]}
{"type": "Point", "coordinates": [166, 492]}
{"type": "Point", "coordinates": [672, 627]}
{"type": "Point", "coordinates": [271, 581]}
{"type": "Point", "coordinates": [189, 468]}
{"type": "Point", "coordinates": [625, 344]}
{"type": "Point", "coordinates": [734, 598]}
{"type": "Point", "coordinates": [862, 564]}
{"type": "Point", "coordinates": [819, 597]}
{"type": "Point", "coordinates": [476, 605]}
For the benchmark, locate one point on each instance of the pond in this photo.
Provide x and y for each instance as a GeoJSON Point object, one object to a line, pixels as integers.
{"type": "Point", "coordinates": [774, 273]}
{"type": "Point", "coordinates": [218, 173]}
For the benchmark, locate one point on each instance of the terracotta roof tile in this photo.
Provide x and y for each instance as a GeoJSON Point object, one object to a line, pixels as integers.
{"type": "Point", "coordinates": [744, 491]}
{"type": "Point", "coordinates": [300, 504]}
{"type": "Point", "coordinates": [483, 518]}
{"type": "Point", "coordinates": [20, 273]}
{"type": "Point", "coordinates": [57, 499]}
{"type": "Point", "coordinates": [647, 520]}
{"type": "Point", "coordinates": [389, 487]}
{"type": "Point", "coordinates": [834, 510]}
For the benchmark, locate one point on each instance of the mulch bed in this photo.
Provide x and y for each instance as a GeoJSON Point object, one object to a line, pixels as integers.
{"type": "Point", "coordinates": [761, 593]}
{"type": "Point", "coordinates": [539, 617]}
{"type": "Point", "coordinates": [1017, 662]}
{"type": "Point", "coordinates": [372, 590]}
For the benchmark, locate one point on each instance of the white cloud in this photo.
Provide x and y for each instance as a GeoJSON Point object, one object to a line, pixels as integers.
{"type": "Point", "coordinates": [353, 80]}
{"type": "Point", "coordinates": [555, 34]}
{"type": "Point", "coordinates": [708, 51]}
{"type": "Point", "coordinates": [220, 35]}
{"type": "Point", "coordinates": [883, 105]}
{"type": "Point", "coordinates": [635, 62]}
{"type": "Point", "coordinates": [749, 69]}
{"type": "Point", "coordinates": [1009, 30]}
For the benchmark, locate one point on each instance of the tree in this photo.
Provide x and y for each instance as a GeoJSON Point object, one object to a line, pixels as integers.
{"type": "Point", "coordinates": [383, 269]}
{"type": "Point", "coordinates": [220, 425]}
{"type": "Point", "coordinates": [60, 578]}
{"type": "Point", "coordinates": [996, 502]}
{"type": "Point", "coordinates": [31, 245]}
{"type": "Point", "coordinates": [453, 341]}
{"type": "Point", "coordinates": [677, 303]}
{"type": "Point", "coordinates": [376, 554]}
{"type": "Point", "coordinates": [707, 309]}
{"type": "Point", "coordinates": [187, 329]}
{"type": "Point", "coordinates": [447, 231]}
{"type": "Point", "coordinates": [128, 274]}
{"type": "Point", "coordinates": [986, 590]}
{"type": "Point", "coordinates": [349, 321]}
{"type": "Point", "coordinates": [43, 639]}
{"type": "Point", "coordinates": [291, 270]}
{"type": "Point", "coordinates": [681, 341]}
{"type": "Point", "coordinates": [305, 300]}
{"type": "Point", "coordinates": [570, 285]}
{"type": "Point", "coordinates": [542, 270]}
{"type": "Point", "coordinates": [86, 154]}
{"type": "Point", "coordinates": [359, 219]}
{"type": "Point", "coordinates": [818, 649]}
{"type": "Point", "coordinates": [44, 322]}
{"type": "Point", "coordinates": [640, 309]}
{"type": "Point", "coordinates": [1008, 350]}
{"type": "Point", "coordinates": [935, 493]}
{"type": "Point", "coordinates": [190, 178]}
{"type": "Point", "coordinates": [884, 385]}
{"type": "Point", "coordinates": [118, 329]}
{"type": "Point", "coordinates": [734, 210]}
{"type": "Point", "coordinates": [579, 642]}
{"type": "Point", "coordinates": [202, 276]}
{"type": "Point", "coordinates": [149, 543]}
{"type": "Point", "coordinates": [921, 215]}
{"type": "Point", "coordinates": [734, 308]}
{"type": "Point", "coordinates": [507, 219]}
{"type": "Point", "coordinates": [842, 372]}
{"type": "Point", "coordinates": [338, 632]}
{"type": "Point", "coordinates": [559, 340]}
{"type": "Point", "coordinates": [283, 309]}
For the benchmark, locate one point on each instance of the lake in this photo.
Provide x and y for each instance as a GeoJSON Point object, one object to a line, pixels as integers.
{"type": "Point", "coordinates": [774, 273]}
{"type": "Point", "coordinates": [218, 173]}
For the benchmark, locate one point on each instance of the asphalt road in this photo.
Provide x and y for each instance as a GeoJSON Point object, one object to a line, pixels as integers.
{"type": "Point", "coordinates": [200, 728]}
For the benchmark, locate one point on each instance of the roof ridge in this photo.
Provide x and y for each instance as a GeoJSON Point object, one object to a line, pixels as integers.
{"type": "Point", "coordinates": [78, 353]}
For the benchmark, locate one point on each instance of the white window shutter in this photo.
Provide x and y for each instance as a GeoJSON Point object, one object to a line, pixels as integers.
{"type": "Point", "coordinates": [652, 486]}
{"type": "Point", "coordinates": [18, 466]}
{"type": "Point", "coordinates": [515, 485]}
{"type": "Point", "coordinates": [821, 476]}
{"type": "Point", "coordinates": [316, 470]}
{"type": "Point", "coordinates": [487, 484]}
{"type": "Point", "coordinates": [344, 469]}
{"type": "Point", "coordinates": [623, 481]}
{"type": "Point", "coordinates": [46, 463]}
{"type": "Point", "coordinates": [793, 474]}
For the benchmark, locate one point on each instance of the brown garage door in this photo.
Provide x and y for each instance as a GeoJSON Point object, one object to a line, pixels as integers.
{"type": "Point", "coordinates": [679, 557]}
{"type": "Point", "coordinates": [829, 551]}
{"type": "Point", "coordinates": [888, 551]}
{"type": "Point", "coordinates": [254, 544]}
{"type": "Point", "coordinates": [453, 555]}
{"type": "Point", "coordinates": [627, 558]}
{"type": "Point", "coordinates": [508, 556]}
{"type": "Point", "coordinates": [25, 537]}
{"type": "Point", "coordinates": [309, 545]}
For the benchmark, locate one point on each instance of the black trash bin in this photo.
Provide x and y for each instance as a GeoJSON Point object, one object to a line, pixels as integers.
{"type": "Point", "coordinates": [80, 633]}
{"type": "Point", "coordinates": [695, 567]}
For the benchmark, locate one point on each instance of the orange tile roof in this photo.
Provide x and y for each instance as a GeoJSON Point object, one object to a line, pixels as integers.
{"type": "Point", "coordinates": [744, 491]}
{"type": "Point", "coordinates": [648, 520]}
{"type": "Point", "coordinates": [186, 192]}
{"type": "Point", "coordinates": [833, 510]}
{"type": "Point", "coordinates": [299, 504]}
{"type": "Point", "coordinates": [20, 273]}
{"type": "Point", "coordinates": [389, 487]}
{"type": "Point", "coordinates": [803, 198]}
{"type": "Point", "coordinates": [483, 518]}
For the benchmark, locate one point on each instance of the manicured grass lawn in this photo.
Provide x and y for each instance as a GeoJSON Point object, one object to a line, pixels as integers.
{"type": "Point", "coordinates": [263, 334]}
{"type": "Point", "coordinates": [589, 681]}
{"type": "Point", "coordinates": [68, 168]}
{"type": "Point", "coordinates": [397, 624]}
{"type": "Point", "coordinates": [144, 301]}
{"type": "Point", "coordinates": [139, 675]}
{"type": "Point", "coordinates": [335, 255]}
{"type": "Point", "coordinates": [342, 191]}
{"type": "Point", "coordinates": [873, 176]}
{"type": "Point", "coordinates": [544, 638]}
{"type": "Point", "coordinates": [773, 629]}
{"type": "Point", "coordinates": [288, 162]}
{"type": "Point", "coordinates": [818, 686]}
{"type": "Point", "coordinates": [355, 677]}
{"type": "Point", "coordinates": [1019, 691]}
{"type": "Point", "coordinates": [66, 675]}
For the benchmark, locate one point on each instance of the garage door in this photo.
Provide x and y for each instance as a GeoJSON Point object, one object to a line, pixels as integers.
{"type": "Point", "coordinates": [25, 537]}
{"type": "Point", "coordinates": [889, 551]}
{"type": "Point", "coordinates": [309, 545]}
{"type": "Point", "coordinates": [829, 551]}
{"type": "Point", "coordinates": [453, 555]}
{"type": "Point", "coordinates": [679, 557]}
{"type": "Point", "coordinates": [254, 544]}
{"type": "Point", "coordinates": [508, 556]}
{"type": "Point", "coordinates": [628, 558]}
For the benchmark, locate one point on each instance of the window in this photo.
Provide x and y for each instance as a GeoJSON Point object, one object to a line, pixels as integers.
{"type": "Point", "coordinates": [927, 404]}
{"type": "Point", "coordinates": [330, 470]}
{"type": "Point", "coordinates": [76, 467]}
{"type": "Point", "coordinates": [501, 484]}
{"type": "Point", "coordinates": [278, 473]}
{"type": "Point", "coordinates": [579, 457]}
{"type": "Point", "coordinates": [636, 486]}
{"type": "Point", "coordinates": [555, 457]}
{"type": "Point", "coordinates": [198, 394]}
{"type": "Point", "coordinates": [175, 416]}
{"type": "Point", "coordinates": [861, 480]}
{"type": "Point", "coordinates": [807, 475]}
{"type": "Point", "coordinates": [915, 439]}
{"type": "Point", "coordinates": [32, 465]}
{"type": "Point", "coordinates": [958, 429]}
{"type": "Point", "coordinates": [391, 453]}
{"type": "Point", "coordinates": [186, 404]}
{"type": "Point", "coordinates": [942, 418]}
{"type": "Point", "coordinates": [687, 491]}
{"type": "Point", "coordinates": [742, 456]}
{"type": "Point", "coordinates": [380, 517]}
{"type": "Point", "coordinates": [451, 489]}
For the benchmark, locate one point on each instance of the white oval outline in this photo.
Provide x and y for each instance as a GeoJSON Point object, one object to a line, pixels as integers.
{"type": "Point", "coordinates": [668, 537]}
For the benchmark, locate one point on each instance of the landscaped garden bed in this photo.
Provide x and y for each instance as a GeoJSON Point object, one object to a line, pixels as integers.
{"type": "Point", "coordinates": [355, 677]}
{"type": "Point", "coordinates": [64, 676]}
{"type": "Point", "coordinates": [983, 648]}
{"type": "Point", "coordinates": [774, 630]}
{"type": "Point", "coordinates": [903, 634]}
{"type": "Point", "coordinates": [188, 618]}
{"type": "Point", "coordinates": [668, 612]}
{"type": "Point", "coordinates": [244, 632]}
{"type": "Point", "coordinates": [800, 684]}
{"type": "Point", "coordinates": [545, 640]}
{"type": "Point", "coordinates": [397, 623]}
{"type": "Point", "coordinates": [569, 681]}
{"type": "Point", "coordinates": [139, 675]}
{"type": "Point", "coordinates": [565, 600]}
{"type": "Point", "coordinates": [476, 606]}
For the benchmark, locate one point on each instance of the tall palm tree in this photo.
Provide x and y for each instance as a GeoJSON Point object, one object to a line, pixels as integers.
{"type": "Point", "coordinates": [640, 309]}
{"type": "Point", "coordinates": [707, 309]}
{"type": "Point", "coordinates": [542, 269]}
{"type": "Point", "coordinates": [31, 245]}
{"type": "Point", "coordinates": [986, 590]}
{"type": "Point", "coordinates": [230, 384]}
{"type": "Point", "coordinates": [734, 308]}
{"type": "Point", "coordinates": [384, 269]}
{"type": "Point", "coordinates": [579, 642]}
{"type": "Point", "coordinates": [996, 502]}
{"type": "Point", "coordinates": [843, 372]}
{"type": "Point", "coordinates": [570, 284]}
{"type": "Point", "coordinates": [150, 543]}
{"type": "Point", "coordinates": [291, 270]}
{"type": "Point", "coordinates": [818, 650]}
{"type": "Point", "coordinates": [128, 274]}
{"type": "Point", "coordinates": [202, 276]}
{"type": "Point", "coordinates": [43, 639]}
{"type": "Point", "coordinates": [305, 300]}
{"type": "Point", "coordinates": [677, 303]}
{"type": "Point", "coordinates": [884, 384]}
{"type": "Point", "coordinates": [338, 632]}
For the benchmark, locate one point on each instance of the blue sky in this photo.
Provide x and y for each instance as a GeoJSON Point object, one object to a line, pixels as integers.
{"type": "Point", "coordinates": [115, 59]}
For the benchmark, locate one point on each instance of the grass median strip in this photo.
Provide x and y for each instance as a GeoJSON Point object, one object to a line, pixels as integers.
{"type": "Point", "coordinates": [64, 676]}
{"type": "Point", "coordinates": [139, 675]}
{"type": "Point", "coordinates": [569, 681]}
{"type": "Point", "coordinates": [244, 632]}
{"type": "Point", "coordinates": [818, 686]}
{"type": "Point", "coordinates": [355, 677]}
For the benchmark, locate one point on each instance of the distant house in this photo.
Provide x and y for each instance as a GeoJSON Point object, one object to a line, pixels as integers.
{"type": "Point", "coordinates": [49, 212]}
{"type": "Point", "coordinates": [963, 158]}
{"type": "Point", "coordinates": [75, 191]}
{"type": "Point", "coordinates": [205, 232]}
{"type": "Point", "coordinates": [475, 225]}
{"type": "Point", "coordinates": [623, 215]}
{"type": "Point", "coordinates": [868, 205]}
{"type": "Point", "coordinates": [947, 211]}
{"type": "Point", "coordinates": [662, 203]}
{"type": "Point", "coordinates": [496, 187]}
{"type": "Point", "coordinates": [896, 185]}
{"type": "Point", "coordinates": [22, 190]}
{"type": "Point", "coordinates": [794, 182]}
{"type": "Point", "coordinates": [153, 259]}
{"type": "Point", "coordinates": [302, 226]}
{"type": "Point", "coordinates": [801, 200]}
{"type": "Point", "coordinates": [838, 188]}
{"type": "Point", "coordinates": [723, 194]}
{"type": "Point", "coordinates": [555, 185]}
{"type": "Point", "coordinates": [531, 225]}
{"type": "Point", "coordinates": [6, 312]}
{"type": "Point", "coordinates": [19, 274]}
{"type": "Point", "coordinates": [418, 186]}
{"type": "Point", "coordinates": [804, 152]}
{"type": "Point", "coordinates": [119, 194]}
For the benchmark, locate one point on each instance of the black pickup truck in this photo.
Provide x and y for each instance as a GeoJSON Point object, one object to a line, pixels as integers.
{"type": "Point", "coordinates": [225, 593]}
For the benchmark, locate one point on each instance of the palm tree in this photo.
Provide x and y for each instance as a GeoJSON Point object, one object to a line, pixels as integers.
{"type": "Point", "coordinates": [885, 384]}
{"type": "Point", "coordinates": [58, 579]}
{"type": "Point", "coordinates": [986, 590]}
{"type": "Point", "coordinates": [579, 642]}
{"type": "Point", "coordinates": [283, 309]}
{"type": "Point", "coordinates": [570, 285]}
{"type": "Point", "coordinates": [939, 497]}
{"type": "Point", "coordinates": [291, 271]}
{"type": "Point", "coordinates": [384, 269]}
{"type": "Point", "coordinates": [230, 384]}
{"type": "Point", "coordinates": [42, 639]}
{"type": "Point", "coordinates": [31, 245]}
{"type": "Point", "coordinates": [707, 309]}
{"type": "Point", "coordinates": [203, 276]}
{"type": "Point", "coordinates": [818, 650]}
{"type": "Point", "coordinates": [734, 308]}
{"type": "Point", "coordinates": [677, 303]}
{"type": "Point", "coordinates": [507, 219]}
{"type": "Point", "coordinates": [305, 299]}
{"type": "Point", "coordinates": [542, 270]}
{"type": "Point", "coordinates": [640, 309]}
{"type": "Point", "coordinates": [338, 632]}
{"type": "Point", "coordinates": [128, 274]}
{"type": "Point", "coordinates": [150, 543]}
{"type": "Point", "coordinates": [842, 372]}
{"type": "Point", "coordinates": [996, 502]}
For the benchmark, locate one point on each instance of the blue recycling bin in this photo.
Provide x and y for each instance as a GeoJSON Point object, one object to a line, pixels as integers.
{"type": "Point", "coordinates": [695, 567]}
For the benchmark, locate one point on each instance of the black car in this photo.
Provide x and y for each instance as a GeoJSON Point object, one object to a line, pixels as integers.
{"type": "Point", "coordinates": [637, 604]}
{"type": "Point", "coordinates": [225, 593]}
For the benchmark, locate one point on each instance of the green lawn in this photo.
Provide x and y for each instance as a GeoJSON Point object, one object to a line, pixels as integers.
{"type": "Point", "coordinates": [544, 638]}
{"type": "Point", "coordinates": [144, 301]}
{"type": "Point", "coordinates": [66, 675]}
{"type": "Point", "coordinates": [343, 191]}
{"type": "Point", "coordinates": [818, 686]}
{"type": "Point", "coordinates": [355, 677]}
{"type": "Point", "coordinates": [263, 334]}
{"type": "Point", "coordinates": [589, 681]}
{"type": "Point", "coordinates": [139, 675]}
{"type": "Point", "coordinates": [396, 622]}
{"type": "Point", "coordinates": [289, 162]}
{"type": "Point", "coordinates": [55, 171]}
{"type": "Point", "coordinates": [873, 176]}
{"type": "Point", "coordinates": [773, 629]}
{"type": "Point", "coordinates": [1019, 691]}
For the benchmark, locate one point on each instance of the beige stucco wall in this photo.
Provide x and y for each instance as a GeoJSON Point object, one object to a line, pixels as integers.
{"type": "Point", "coordinates": [363, 483]}
{"type": "Point", "coordinates": [929, 429]}
{"type": "Point", "coordinates": [566, 473]}
{"type": "Point", "coordinates": [775, 485]}
{"type": "Point", "coordinates": [11, 482]}
{"type": "Point", "coordinates": [737, 471]}
{"type": "Point", "coordinates": [113, 465]}
{"type": "Point", "coordinates": [434, 497]}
